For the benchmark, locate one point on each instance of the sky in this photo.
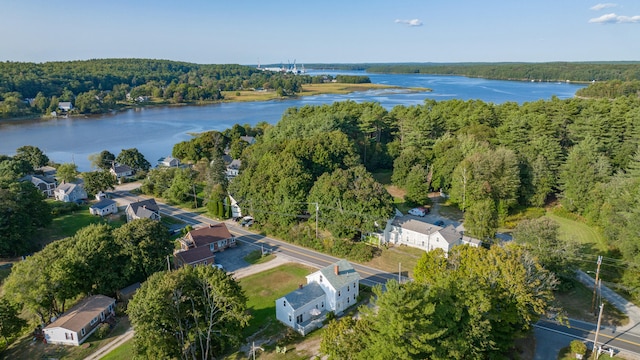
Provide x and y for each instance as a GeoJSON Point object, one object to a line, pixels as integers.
{"type": "Point", "coordinates": [249, 32]}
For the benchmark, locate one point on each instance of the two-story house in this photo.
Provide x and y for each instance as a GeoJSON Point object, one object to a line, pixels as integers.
{"type": "Point", "coordinates": [416, 232]}
{"type": "Point", "coordinates": [199, 245]}
{"type": "Point", "coordinates": [46, 184]}
{"type": "Point", "coordinates": [70, 192]}
{"type": "Point", "coordinates": [333, 288]}
{"type": "Point", "coordinates": [233, 169]}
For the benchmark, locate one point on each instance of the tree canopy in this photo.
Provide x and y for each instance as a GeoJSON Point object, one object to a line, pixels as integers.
{"type": "Point", "coordinates": [190, 313]}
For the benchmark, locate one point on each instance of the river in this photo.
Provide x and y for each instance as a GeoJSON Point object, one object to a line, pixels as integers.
{"type": "Point", "coordinates": [154, 131]}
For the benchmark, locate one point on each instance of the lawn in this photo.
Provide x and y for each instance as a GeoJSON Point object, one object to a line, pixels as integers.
{"type": "Point", "coordinates": [577, 305]}
{"type": "Point", "coordinates": [66, 225]}
{"type": "Point", "coordinates": [579, 232]}
{"type": "Point", "coordinates": [389, 259]}
{"type": "Point", "coordinates": [124, 351]}
{"type": "Point", "coordinates": [256, 257]}
{"type": "Point", "coordinates": [263, 289]}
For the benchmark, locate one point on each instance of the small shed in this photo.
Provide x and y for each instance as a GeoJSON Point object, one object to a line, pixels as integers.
{"type": "Point", "coordinates": [124, 295]}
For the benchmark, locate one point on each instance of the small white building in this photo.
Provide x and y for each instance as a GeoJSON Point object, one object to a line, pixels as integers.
{"type": "Point", "coordinates": [168, 161]}
{"type": "Point", "coordinates": [333, 288]}
{"type": "Point", "coordinates": [104, 207]}
{"type": "Point", "coordinates": [236, 211]}
{"type": "Point", "coordinates": [77, 324]}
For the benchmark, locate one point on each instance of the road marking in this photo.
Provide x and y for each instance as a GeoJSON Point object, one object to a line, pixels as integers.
{"type": "Point", "coordinates": [616, 338]}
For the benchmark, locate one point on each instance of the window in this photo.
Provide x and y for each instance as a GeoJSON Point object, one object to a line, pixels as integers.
{"type": "Point", "coordinates": [347, 300]}
{"type": "Point", "coordinates": [94, 320]}
{"type": "Point", "coordinates": [354, 285]}
{"type": "Point", "coordinates": [354, 296]}
{"type": "Point", "coordinates": [323, 304]}
{"type": "Point", "coordinates": [289, 318]}
{"type": "Point", "coordinates": [347, 288]}
{"type": "Point", "coordinates": [82, 332]}
{"type": "Point", "coordinates": [320, 278]}
{"type": "Point", "coordinates": [284, 303]}
{"type": "Point", "coordinates": [338, 292]}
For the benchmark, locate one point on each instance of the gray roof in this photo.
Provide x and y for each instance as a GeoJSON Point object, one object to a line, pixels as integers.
{"type": "Point", "coordinates": [303, 296]}
{"type": "Point", "coordinates": [416, 224]}
{"type": "Point", "coordinates": [346, 274]}
{"type": "Point", "coordinates": [235, 164]}
{"type": "Point", "coordinates": [67, 188]}
{"type": "Point", "coordinates": [450, 234]}
{"type": "Point", "coordinates": [103, 204]}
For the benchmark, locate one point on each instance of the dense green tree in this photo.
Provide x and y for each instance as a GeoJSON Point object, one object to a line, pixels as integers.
{"type": "Point", "coordinates": [33, 155]}
{"type": "Point", "coordinates": [481, 220]}
{"type": "Point", "coordinates": [182, 186]}
{"type": "Point", "coordinates": [341, 338]}
{"type": "Point", "coordinates": [133, 158]}
{"type": "Point", "coordinates": [580, 174]}
{"type": "Point", "coordinates": [103, 160]}
{"type": "Point", "coordinates": [540, 238]}
{"type": "Point", "coordinates": [190, 313]}
{"type": "Point", "coordinates": [96, 181]}
{"type": "Point", "coordinates": [350, 201]}
{"type": "Point", "coordinates": [23, 211]}
{"type": "Point", "coordinates": [10, 322]}
{"type": "Point", "coordinates": [67, 172]}
{"type": "Point", "coordinates": [11, 168]}
{"type": "Point", "coordinates": [146, 244]}
{"type": "Point", "coordinates": [417, 186]}
{"type": "Point", "coordinates": [158, 181]}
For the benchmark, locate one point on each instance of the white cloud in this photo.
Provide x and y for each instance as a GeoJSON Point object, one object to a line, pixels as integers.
{"type": "Point", "coordinates": [412, 22]}
{"type": "Point", "coordinates": [603, 6]}
{"type": "Point", "coordinates": [615, 19]}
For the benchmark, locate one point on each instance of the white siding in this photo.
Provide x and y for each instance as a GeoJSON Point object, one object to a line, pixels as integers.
{"type": "Point", "coordinates": [61, 336]}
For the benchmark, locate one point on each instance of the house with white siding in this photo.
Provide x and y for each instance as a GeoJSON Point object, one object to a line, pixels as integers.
{"type": "Point", "coordinates": [416, 232]}
{"type": "Point", "coordinates": [77, 324]}
{"type": "Point", "coordinates": [104, 207]}
{"type": "Point", "coordinates": [333, 288]}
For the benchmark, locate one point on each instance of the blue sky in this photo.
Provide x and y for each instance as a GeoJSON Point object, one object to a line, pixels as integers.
{"type": "Point", "coordinates": [329, 31]}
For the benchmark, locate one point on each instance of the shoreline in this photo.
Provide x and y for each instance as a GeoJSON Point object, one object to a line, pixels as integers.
{"type": "Point", "coordinates": [231, 96]}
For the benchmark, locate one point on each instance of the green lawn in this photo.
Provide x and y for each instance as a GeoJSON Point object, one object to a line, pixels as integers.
{"type": "Point", "coordinates": [66, 225]}
{"type": "Point", "coordinates": [262, 291]}
{"type": "Point", "coordinates": [579, 232]}
{"type": "Point", "coordinates": [256, 257]}
{"type": "Point", "coordinates": [124, 351]}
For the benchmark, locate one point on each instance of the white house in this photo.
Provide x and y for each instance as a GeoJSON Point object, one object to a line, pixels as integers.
{"type": "Point", "coordinates": [233, 169]}
{"type": "Point", "coordinates": [75, 325]}
{"type": "Point", "coordinates": [168, 162]}
{"type": "Point", "coordinates": [121, 171]}
{"type": "Point", "coordinates": [417, 232]}
{"type": "Point", "coordinates": [250, 139]}
{"type": "Point", "coordinates": [103, 207]}
{"type": "Point", "coordinates": [65, 106]}
{"type": "Point", "coordinates": [46, 184]}
{"type": "Point", "coordinates": [333, 288]}
{"type": "Point", "coordinates": [70, 192]}
{"type": "Point", "coordinates": [236, 211]}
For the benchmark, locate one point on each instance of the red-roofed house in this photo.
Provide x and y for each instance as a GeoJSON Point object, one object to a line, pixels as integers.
{"type": "Point", "coordinates": [198, 246]}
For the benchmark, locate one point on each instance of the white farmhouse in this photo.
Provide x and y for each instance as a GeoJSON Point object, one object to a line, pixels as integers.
{"type": "Point", "coordinates": [333, 288]}
{"type": "Point", "coordinates": [416, 232]}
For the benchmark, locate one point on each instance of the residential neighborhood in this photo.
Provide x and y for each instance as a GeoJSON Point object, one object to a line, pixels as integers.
{"type": "Point", "coordinates": [78, 323]}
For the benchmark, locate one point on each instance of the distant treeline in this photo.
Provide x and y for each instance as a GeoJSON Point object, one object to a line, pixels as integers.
{"type": "Point", "coordinates": [95, 86]}
{"type": "Point", "coordinates": [552, 71]}
{"type": "Point", "coordinates": [610, 89]}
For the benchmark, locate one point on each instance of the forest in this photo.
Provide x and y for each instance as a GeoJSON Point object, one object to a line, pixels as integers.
{"type": "Point", "coordinates": [102, 85]}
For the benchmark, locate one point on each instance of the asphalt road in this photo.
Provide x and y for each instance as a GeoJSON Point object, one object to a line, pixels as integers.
{"type": "Point", "coordinates": [551, 337]}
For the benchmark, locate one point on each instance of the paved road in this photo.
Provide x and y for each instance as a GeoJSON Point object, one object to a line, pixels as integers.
{"type": "Point", "coordinates": [370, 276]}
{"type": "Point", "coordinates": [551, 336]}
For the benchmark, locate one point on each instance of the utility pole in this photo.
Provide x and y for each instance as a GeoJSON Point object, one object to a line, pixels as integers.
{"type": "Point", "coordinates": [168, 263]}
{"type": "Point", "coordinates": [317, 209]}
{"type": "Point", "coordinates": [595, 285]}
{"type": "Point", "coordinates": [195, 199]}
{"type": "Point", "coordinates": [399, 273]}
{"type": "Point", "coordinates": [595, 340]}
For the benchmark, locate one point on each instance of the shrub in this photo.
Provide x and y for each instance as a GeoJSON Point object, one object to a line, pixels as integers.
{"type": "Point", "coordinates": [578, 347]}
{"type": "Point", "coordinates": [103, 330]}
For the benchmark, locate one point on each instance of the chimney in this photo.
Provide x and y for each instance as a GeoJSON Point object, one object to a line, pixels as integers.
{"type": "Point", "coordinates": [336, 270]}
{"type": "Point", "coordinates": [300, 286]}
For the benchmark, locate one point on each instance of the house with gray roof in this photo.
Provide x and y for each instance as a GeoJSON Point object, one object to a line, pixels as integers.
{"type": "Point", "coordinates": [104, 207]}
{"type": "Point", "coordinates": [70, 192]}
{"type": "Point", "coordinates": [143, 209]}
{"type": "Point", "coordinates": [333, 288]}
{"type": "Point", "coordinates": [416, 232]}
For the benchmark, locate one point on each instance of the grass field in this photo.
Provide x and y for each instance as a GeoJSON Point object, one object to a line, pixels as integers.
{"type": "Point", "coordinates": [66, 225]}
{"type": "Point", "coordinates": [124, 351]}
{"type": "Point", "coordinates": [577, 304]}
{"type": "Point", "coordinates": [389, 259]}
{"type": "Point", "coordinates": [263, 289]}
{"type": "Point", "coordinates": [579, 232]}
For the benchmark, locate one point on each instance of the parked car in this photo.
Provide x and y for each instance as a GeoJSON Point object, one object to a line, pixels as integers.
{"type": "Point", "coordinates": [246, 221]}
{"type": "Point", "coordinates": [419, 211]}
{"type": "Point", "coordinates": [218, 266]}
